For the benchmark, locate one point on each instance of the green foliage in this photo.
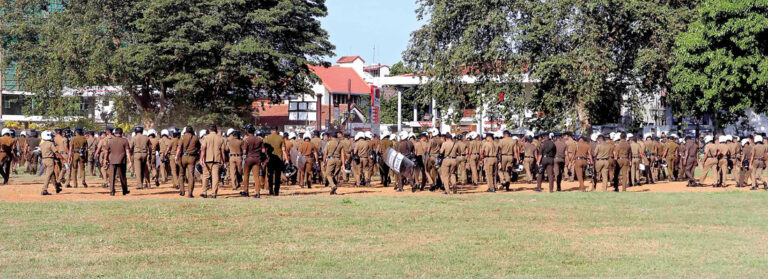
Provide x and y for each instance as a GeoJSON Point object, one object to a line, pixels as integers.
{"type": "Point", "coordinates": [721, 62]}
{"type": "Point", "coordinates": [585, 59]}
{"type": "Point", "coordinates": [399, 69]}
{"type": "Point", "coordinates": [207, 57]}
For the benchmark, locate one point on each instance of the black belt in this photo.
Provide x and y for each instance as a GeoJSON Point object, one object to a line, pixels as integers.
{"type": "Point", "coordinates": [602, 159]}
{"type": "Point", "coordinates": [561, 158]}
{"type": "Point", "coordinates": [235, 155]}
{"type": "Point", "coordinates": [623, 157]}
{"type": "Point", "coordinates": [190, 154]}
{"type": "Point", "coordinates": [529, 157]}
{"type": "Point", "coordinates": [758, 159]}
{"type": "Point", "coordinates": [693, 156]}
{"type": "Point", "coordinates": [581, 158]}
{"type": "Point", "coordinates": [332, 157]}
{"type": "Point", "coordinates": [508, 154]}
{"type": "Point", "coordinates": [635, 157]}
{"type": "Point", "coordinates": [49, 157]}
{"type": "Point", "coordinates": [478, 154]}
{"type": "Point", "coordinates": [546, 156]}
{"type": "Point", "coordinates": [448, 157]}
{"type": "Point", "coordinates": [139, 152]}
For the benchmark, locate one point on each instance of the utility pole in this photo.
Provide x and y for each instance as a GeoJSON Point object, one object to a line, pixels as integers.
{"type": "Point", "coordinates": [349, 105]}
{"type": "Point", "coordinates": [399, 110]}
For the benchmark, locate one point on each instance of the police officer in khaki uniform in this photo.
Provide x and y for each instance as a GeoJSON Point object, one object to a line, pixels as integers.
{"type": "Point", "coordinates": [77, 158]}
{"type": "Point", "coordinates": [434, 149]}
{"type": "Point", "coordinates": [509, 155]}
{"type": "Point", "coordinates": [173, 161]}
{"type": "Point", "coordinates": [49, 154]}
{"type": "Point", "coordinates": [474, 147]}
{"type": "Point", "coordinates": [165, 165]}
{"type": "Point", "coordinates": [582, 157]}
{"type": "Point", "coordinates": [309, 152]}
{"type": "Point", "coordinates": [672, 157]}
{"type": "Point", "coordinates": [189, 152]}
{"type": "Point", "coordinates": [211, 158]}
{"type": "Point", "coordinates": [333, 157]}
{"type": "Point", "coordinates": [603, 153]}
{"type": "Point", "coordinates": [722, 160]}
{"type": "Point", "coordinates": [140, 148]}
{"type": "Point", "coordinates": [461, 159]}
{"type": "Point", "coordinates": [570, 152]}
{"type": "Point", "coordinates": [234, 148]}
{"type": "Point", "coordinates": [62, 146]}
{"type": "Point", "coordinates": [7, 152]}
{"type": "Point", "coordinates": [746, 154]}
{"type": "Point", "coordinates": [93, 143]}
{"type": "Point", "coordinates": [637, 158]}
{"type": "Point", "coordinates": [757, 162]}
{"type": "Point", "coordinates": [359, 154]}
{"type": "Point", "coordinates": [153, 169]}
{"type": "Point", "coordinates": [489, 156]}
{"type": "Point", "coordinates": [622, 154]}
{"type": "Point", "coordinates": [529, 159]}
{"type": "Point", "coordinates": [276, 150]}
{"type": "Point", "coordinates": [101, 151]}
{"type": "Point", "coordinates": [709, 160]}
{"type": "Point", "coordinates": [448, 166]}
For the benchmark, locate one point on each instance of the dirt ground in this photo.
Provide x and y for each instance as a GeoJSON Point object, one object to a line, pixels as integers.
{"type": "Point", "coordinates": [27, 188]}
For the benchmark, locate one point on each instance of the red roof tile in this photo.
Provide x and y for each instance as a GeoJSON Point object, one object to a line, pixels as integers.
{"type": "Point", "coordinates": [349, 59]}
{"type": "Point", "coordinates": [335, 79]}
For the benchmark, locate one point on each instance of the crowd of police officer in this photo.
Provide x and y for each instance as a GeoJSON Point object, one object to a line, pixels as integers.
{"type": "Point", "coordinates": [248, 158]}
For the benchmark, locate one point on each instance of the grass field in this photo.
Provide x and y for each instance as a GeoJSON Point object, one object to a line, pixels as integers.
{"type": "Point", "coordinates": [655, 235]}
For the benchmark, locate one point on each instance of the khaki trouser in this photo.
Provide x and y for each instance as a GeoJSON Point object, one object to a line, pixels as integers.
{"type": "Point", "coordinates": [744, 176]}
{"type": "Point", "coordinates": [430, 168]}
{"type": "Point", "coordinates": [235, 170]}
{"type": "Point", "coordinates": [710, 164]}
{"type": "Point", "coordinates": [305, 171]}
{"type": "Point", "coordinates": [758, 168]}
{"type": "Point", "coordinates": [252, 167]}
{"type": "Point", "coordinates": [489, 164]}
{"type": "Point", "coordinates": [602, 170]}
{"type": "Point", "coordinates": [448, 174]}
{"type": "Point", "coordinates": [671, 166]}
{"type": "Point", "coordinates": [579, 166]}
{"type": "Point", "coordinates": [187, 174]}
{"type": "Point", "coordinates": [61, 170]}
{"type": "Point", "coordinates": [507, 161]}
{"type": "Point", "coordinates": [569, 165]}
{"type": "Point", "coordinates": [474, 161]}
{"type": "Point", "coordinates": [175, 168]}
{"type": "Point", "coordinates": [78, 168]}
{"type": "Point", "coordinates": [357, 170]}
{"type": "Point", "coordinates": [690, 167]}
{"type": "Point", "coordinates": [211, 171]}
{"type": "Point", "coordinates": [461, 169]}
{"type": "Point", "coordinates": [48, 175]}
{"type": "Point", "coordinates": [722, 165]}
{"type": "Point", "coordinates": [425, 171]}
{"type": "Point", "coordinates": [634, 170]}
{"type": "Point", "coordinates": [105, 170]}
{"type": "Point", "coordinates": [528, 166]}
{"type": "Point", "coordinates": [140, 169]}
{"type": "Point", "coordinates": [736, 170]}
{"type": "Point", "coordinates": [332, 168]}
{"type": "Point", "coordinates": [623, 165]}
{"type": "Point", "coordinates": [611, 171]}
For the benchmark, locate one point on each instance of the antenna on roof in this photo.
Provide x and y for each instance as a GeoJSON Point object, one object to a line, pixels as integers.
{"type": "Point", "coordinates": [373, 61]}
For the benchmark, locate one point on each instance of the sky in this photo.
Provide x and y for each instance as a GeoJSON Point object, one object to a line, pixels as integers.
{"type": "Point", "coordinates": [356, 26]}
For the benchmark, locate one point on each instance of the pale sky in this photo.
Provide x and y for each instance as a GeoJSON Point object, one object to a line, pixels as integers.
{"type": "Point", "coordinates": [355, 26]}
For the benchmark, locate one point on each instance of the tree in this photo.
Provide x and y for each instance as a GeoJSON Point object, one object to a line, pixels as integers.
{"type": "Point", "coordinates": [583, 59]}
{"type": "Point", "coordinates": [399, 69]}
{"type": "Point", "coordinates": [720, 65]}
{"type": "Point", "coordinates": [209, 59]}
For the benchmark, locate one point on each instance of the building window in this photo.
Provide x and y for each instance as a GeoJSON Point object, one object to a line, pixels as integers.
{"type": "Point", "coordinates": [13, 104]}
{"type": "Point", "coordinates": [302, 111]}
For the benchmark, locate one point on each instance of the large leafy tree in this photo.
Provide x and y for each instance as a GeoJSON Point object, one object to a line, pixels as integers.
{"type": "Point", "coordinates": [721, 63]}
{"type": "Point", "coordinates": [581, 60]}
{"type": "Point", "coordinates": [207, 59]}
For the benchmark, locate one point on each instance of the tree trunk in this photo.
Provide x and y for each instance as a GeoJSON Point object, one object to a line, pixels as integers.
{"type": "Point", "coordinates": [584, 119]}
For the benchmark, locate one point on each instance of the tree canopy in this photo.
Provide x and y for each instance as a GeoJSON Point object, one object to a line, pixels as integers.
{"type": "Point", "coordinates": [204, 60]}
{"type": "Point", "coordinates": [721, 62]}
{"type": "Point", "coordinates": [572, 59]}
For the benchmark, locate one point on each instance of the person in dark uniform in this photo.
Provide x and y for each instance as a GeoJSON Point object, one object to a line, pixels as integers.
{"type": "Point", "coordinates": [406, 148]}
{"type": "Point", "coordinates": [545, 159]}
{"type": "Point", "coordinates": [118, 153]}
{"type": "Point", "coordinates": [560, 159]}
{"type": "Point", "coordinates": [690, 160]}
{"type": "Point", "coordinates": [275, 145]}
{"type": "Point", "coordinates": [254, 152]}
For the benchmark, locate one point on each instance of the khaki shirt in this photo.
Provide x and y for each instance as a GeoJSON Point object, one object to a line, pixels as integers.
{"type": "Point", "coordinates": [636, 149]}
{"type": "Point", "coordinates": [434, 146]}
{"type": "Point", "coordinates": [623, 149]}
{"type": "Point", "coordinates": [508, 146]}
{"type": "Point", "coordinates": [140, 144]}
{"type": "Point", "coordinates": [461, 148]}
{"type": "Point", "coordinates": [61, 143]}
{"type": "Point", "coordinates": [604, 151]}
{"type": "Point", "coordinates": [190, 145]}
{"type": "Point", "coordinates": [419, 148]}
{"type": "Point", "coordinates": [77, 143]}
{"type": "Point", "coordinates": [235, 146]}
{"type": "Point", "coordinates": [362, 149]}
{"type": "Point", "coordinates": [490, 149]}
{"type": "Point", "coordinates": [449, 148]}
{"type": "Point", "coordinates": [47, 150]}
{"type": "Point", "coordinates": [475, 147]}
{"type": "Point", "coordinates": [333, 148]}
{"type": "Point", "coordinates": [214, 144]}
{"type": "Point", "coordinates": [275, 145]}
{"type": "Point", "coordinates": [307, 149]}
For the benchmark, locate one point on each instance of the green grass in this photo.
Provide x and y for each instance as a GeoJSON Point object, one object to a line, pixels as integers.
{"type": "Point", "coordinates": [469, 236]}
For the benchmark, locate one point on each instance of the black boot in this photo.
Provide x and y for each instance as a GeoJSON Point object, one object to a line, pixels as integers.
{"type": "Point", "coordinates": [333, 191]}
{"type": "Point", "coordinates": [45, 193]}
{"type": "Point", "coordinates": [85, 185]}
{"type": "Point", "coordinates": [58, 187]}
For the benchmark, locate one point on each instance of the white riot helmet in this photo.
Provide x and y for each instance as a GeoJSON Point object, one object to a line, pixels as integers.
{"type": "Point", "coordinates": [5, 131]}
{"type": "Point", "coordinates": [230, 131]}
{"type": "Point", "coordinates": [307, 135]}
{"type": "Point", "coordinates": [23, 133]}
{"type": "Point", "coordinates": [359, 135]}
{"type": "Point", "coordinates": [404, 135]}
{"type": "Point", "coordinates": [151, 132]}
{"type": "Point", "coordinates": [646, 136]}
{"type": "Point", "coordinates": [164, 132]}
{"type": "Point", "coordinates": [708, 139]}
{"type": "Point", "coordinates": [291, 135]}
{"type": "Point", "coordinates": [721, 139]}
{"type": "Point", "coordinates": [498, 134]}
{"type": "Point", "coordinates": [594, 136]}
{"type": "Point", "coordinates": [411, 135]}
{"type": "Point", "coordinates": [393, 137]}
{"type": "Point", "coordinates": [515, 138]}
{"type": "Point", "coordinates": [758, 138]}
{"type": "Point", "coordinates": [47, 135]}
{"type": "Point", "coordinates": [744, 142]}
{"type": "Point", "coordinates": [630, 135]}
{"type": "Point", "coordinates": [472, 135]}
{"type": "Point", "coordinates": [369, 134]}
{"type": "Point", "coordinates": [728, 138]}
{"type": "Point", "coordinates": [612, 136]}
{"type": "Point", "coordinates": [203, 132]}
